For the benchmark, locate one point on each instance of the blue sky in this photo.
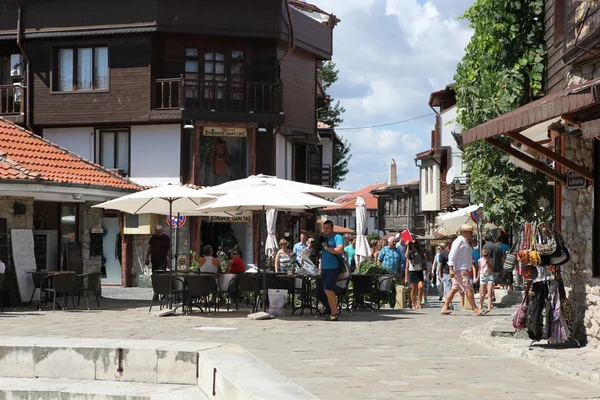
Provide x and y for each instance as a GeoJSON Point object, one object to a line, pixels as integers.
{"type": "Point", "coordinates": [391, 55]}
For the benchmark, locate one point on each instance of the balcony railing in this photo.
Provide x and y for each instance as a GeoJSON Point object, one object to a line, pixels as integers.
{"type": "Point", "coordinates": [414, 223]}
{"type": "Point", "coordinates": [10, 99]}
{"type": "Point", "coordinates": [583, 20]}
{"type": "Point", "coordinates": [321, 175]}
{"type": "Point", "coordinates": [177, 93]}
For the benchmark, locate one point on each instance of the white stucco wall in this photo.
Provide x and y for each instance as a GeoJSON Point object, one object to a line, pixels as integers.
{"type": "Point", "coordinates": [155, 154]}
{"type": "Point", "coordinates": [283, 157]}
{"type": "Point", "coordinates": [430, 186]}
{"type": "Point", "coordinates": [327, 151]}
{"type": "Point", "coordinates": [78, 140]}
{"type": "Point", "coordinates": [450, 125]}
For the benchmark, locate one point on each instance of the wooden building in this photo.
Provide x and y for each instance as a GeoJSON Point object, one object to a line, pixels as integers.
{"type": "Point", "coordinates": [399, 208]}
{"type": "Point", "coordinates": [563, 128]}
{"type": "Point", "coordinates": [190, 91]}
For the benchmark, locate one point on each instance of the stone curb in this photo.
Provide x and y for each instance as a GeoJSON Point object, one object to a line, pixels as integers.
{"type": "Point", "coordinates": [582, 363]}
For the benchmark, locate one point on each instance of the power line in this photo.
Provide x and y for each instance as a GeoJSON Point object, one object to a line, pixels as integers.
{"type": "Point", "coordinates": [382, 125]}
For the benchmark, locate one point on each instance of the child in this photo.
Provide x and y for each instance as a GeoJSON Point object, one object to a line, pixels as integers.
{"type": "Point", "coordinates": [486, 279]}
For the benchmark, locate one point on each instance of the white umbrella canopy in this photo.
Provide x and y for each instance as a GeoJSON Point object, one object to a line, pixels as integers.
{"type": "Point", "coordinates": [451, 222]}
{"type": "Point", "coordinates": [363, 249]}
{"type": "Point", "coordinates": [321, 191]}
{"type": "Point", "coordinates": [271, 245]}
{"type": "Point", "coordinates": [264, 196]}
{"type": "Point", "coordinates": [167, 199]}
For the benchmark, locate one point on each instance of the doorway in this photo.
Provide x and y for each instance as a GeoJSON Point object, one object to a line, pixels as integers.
{"type": "Point", "coordinates": [110, 257]}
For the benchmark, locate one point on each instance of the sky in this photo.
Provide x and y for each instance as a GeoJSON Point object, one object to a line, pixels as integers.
{"type": "Point", "coordinates": [391, 55]}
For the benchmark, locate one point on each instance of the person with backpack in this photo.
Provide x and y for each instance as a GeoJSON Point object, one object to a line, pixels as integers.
{"type": "Point", "coordinates": [332, 263]}
{"type": "Point", "coordinates": [414, 273]}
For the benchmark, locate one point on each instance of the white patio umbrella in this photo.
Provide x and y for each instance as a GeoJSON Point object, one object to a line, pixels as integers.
{"type": "Point", "coordinates": [167, 199]}
{"type": "Point", "coordinates": [271, 245]}
{"type": "Point", "coordinates": [363, 250]}
{"type": "Point", "coordinates": [321, 191]}
{"type": "Point", "coordinates": [451, 222]}
{"type": "Point", "coordinates": [263, 196]}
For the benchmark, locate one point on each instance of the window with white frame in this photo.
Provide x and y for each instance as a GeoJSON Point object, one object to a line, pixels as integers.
{"type": "Point", "coordinates": [82, 68]}
{"type": "Point", "coordinates": [113, 149]}
{"type": "Point", "coordinates": [430, 179]}
{"type": "Point", "coordinates": [426, 181]}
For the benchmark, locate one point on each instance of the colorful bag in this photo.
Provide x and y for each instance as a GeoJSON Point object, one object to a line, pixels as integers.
{"type": "Point", "coordinates": [534, 258]}
{"type": "Point", "coordinates": [520, 318]}
{"type": "Point", "coordinates": [545, 243]}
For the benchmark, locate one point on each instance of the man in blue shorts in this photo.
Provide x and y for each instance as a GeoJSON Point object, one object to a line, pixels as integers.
{"type": "Point", "coordinates": [331, 259]}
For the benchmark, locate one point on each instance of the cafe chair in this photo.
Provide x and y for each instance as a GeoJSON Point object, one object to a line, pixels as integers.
{"type": "Point", "coordinates": [341, 291]}
{"type": "Point", "coordinates": [37, 284]}
{"type": "Point", "coordinates": [62, 283]}
{"type": "Point", "coordinates": [362, 285]}
{"type": "Point", "coordinates": [199, 287]}
{"type": "Point", "coordinates": [87, 283]}
{"type": "Point", "coordinates": [162, 288]}
{"type": "Point", "coordinates": [228, 284]}
{"type": "Point", "coordinates": [385, 289]}
{"type": "Point", "coordinates": [246, 285]}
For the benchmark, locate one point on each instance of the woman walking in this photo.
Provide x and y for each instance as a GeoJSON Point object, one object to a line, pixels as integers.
{"type": "Point", "coordinates": [414, 273]}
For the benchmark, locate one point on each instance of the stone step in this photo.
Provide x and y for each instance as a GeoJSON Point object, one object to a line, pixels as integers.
{"type": "Point", "coordinates": [67, 389]}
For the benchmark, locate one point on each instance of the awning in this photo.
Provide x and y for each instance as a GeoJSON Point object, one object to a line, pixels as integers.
{"type": "Point", "coordinates": [570, 100]}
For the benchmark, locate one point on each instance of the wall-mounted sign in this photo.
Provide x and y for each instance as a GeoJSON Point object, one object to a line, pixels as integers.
{"type": "Point", "coordinates": [575, 181]}
{"type": "Point", "coordinates": [477, 215]}
{"type": "Point", "coordinates": [224, 131]}
{"type": "Point", "coordinates": [241, 219]}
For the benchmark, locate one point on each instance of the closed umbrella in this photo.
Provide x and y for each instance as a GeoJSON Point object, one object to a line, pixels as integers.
{"type": "Point", "coordinates": [271, 245]}
{"type": "Point", "coordinates": [363, 250]}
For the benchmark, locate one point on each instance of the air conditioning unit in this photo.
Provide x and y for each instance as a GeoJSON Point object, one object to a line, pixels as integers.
{"type": "Point", "coordinates": [141, 224]}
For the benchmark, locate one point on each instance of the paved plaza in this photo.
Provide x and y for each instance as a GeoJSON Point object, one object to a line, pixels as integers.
{"type": "Point", "coordinates": [391, 354]}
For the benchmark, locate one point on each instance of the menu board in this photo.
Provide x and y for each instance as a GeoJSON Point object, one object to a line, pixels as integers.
{"type": "Point", "coordinates": [23, 257]}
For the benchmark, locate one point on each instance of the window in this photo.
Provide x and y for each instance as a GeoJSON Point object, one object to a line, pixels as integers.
{"type": "Point", "coordinates": [112, 149]}
{"type": "Point", "coordinates": [211, 71]}
{"type": "Point", "coordinates": [83, 68]}
{"type": "Point", "coordinates": [430, 179]}
{"type": "Point", "coordinates": [417, 208]}
{"type": "Point", "coordinates": [426, 180]}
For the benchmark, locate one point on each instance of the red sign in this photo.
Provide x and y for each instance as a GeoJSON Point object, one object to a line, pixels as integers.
{"type": "Point", "coordinates": [477, 215]}
{"type": "Point", "coordinates": [406, 236]}
{"type": "Point", "coordinates": [176, 222]}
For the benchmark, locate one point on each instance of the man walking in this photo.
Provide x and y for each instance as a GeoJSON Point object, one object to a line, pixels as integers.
{"type": "Point", "coordinates": [331, 260]}
{"type": "Point", "coordinates": [159, 248]}
{"type": "Point", "coordinates": [389, 256]}
{"type": "Point", "coordinates": [300, 247]}
{"type": "Point", "coordinates": [460, 261]}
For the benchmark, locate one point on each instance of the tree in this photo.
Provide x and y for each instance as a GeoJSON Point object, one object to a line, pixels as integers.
{"type": "Point", "coordinates": [332, 115]}
{"type": "Point", "coordinates": [502, 70]}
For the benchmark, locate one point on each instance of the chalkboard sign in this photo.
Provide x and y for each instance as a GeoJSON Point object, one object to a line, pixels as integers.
{"type": "Point", "coordinates": [24, 261]}
{"type": "Point", "coordinates": [74, 259]}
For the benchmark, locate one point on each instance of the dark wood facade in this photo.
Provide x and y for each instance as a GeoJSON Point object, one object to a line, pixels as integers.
{"type": "Point", "coordinates": [398, 209]}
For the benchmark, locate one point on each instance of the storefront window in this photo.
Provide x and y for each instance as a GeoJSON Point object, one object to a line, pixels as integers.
{"type": "Point", "coordinates": [68, 227]}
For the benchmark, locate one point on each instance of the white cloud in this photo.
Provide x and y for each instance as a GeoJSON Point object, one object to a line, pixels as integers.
{"type": "Point", "coordinates": [391, 55]}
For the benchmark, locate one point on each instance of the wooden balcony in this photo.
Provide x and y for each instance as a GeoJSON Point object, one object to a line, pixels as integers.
{"type": "Point", "coordinates": [11, 98]}
{"type": "Point", "coordinates": [415, 223]}
{"type": "Point", "coordinates": [582, 33]}
{"type": "Point", "coordinates": [321, 175]}
{"type": "Point", "coordinates": [217, 96]}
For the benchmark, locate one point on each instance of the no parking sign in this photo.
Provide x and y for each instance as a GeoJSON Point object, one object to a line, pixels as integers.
{"type": "Point", "coordinates": [176, 222]}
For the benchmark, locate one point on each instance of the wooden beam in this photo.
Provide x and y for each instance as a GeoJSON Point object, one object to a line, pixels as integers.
{"type": "Point", "coordinates": [556, 157]}
{"type": "Point", "coordinates": [526, 159]}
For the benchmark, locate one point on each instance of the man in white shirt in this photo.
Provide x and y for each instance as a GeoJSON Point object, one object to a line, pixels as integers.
{"type": "Point", "coordinates": [460, 262]}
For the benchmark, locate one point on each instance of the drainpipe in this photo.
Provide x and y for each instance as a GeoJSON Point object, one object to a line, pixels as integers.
{"type": "Point", "coordinates": [291, 34]}
{"type": "Point", "coordinates": [27, 69]}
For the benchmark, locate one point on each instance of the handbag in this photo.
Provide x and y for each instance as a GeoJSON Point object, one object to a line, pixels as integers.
{"type": "Point", "coordinates": [545, 243]}
{"type": "Point", "coordinates": [520, 318]}
{"type": "Point", "coordinates": [534, 255]}
{"type": "Point", "coordinates": [510, 259]}
{"type": "Point", "coordinates": [562, 255]}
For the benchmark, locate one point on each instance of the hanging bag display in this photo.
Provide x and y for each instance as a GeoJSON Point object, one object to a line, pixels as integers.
{"type": "Point", "coordinates": [545, 243]}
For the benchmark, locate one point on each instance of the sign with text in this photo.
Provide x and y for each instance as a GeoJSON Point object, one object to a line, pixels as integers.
{"type": "Point", "coordinates": [224, 131]}
{"type": "Point", "coordinates": [575, 181]}
{"type": "Point", "coordinates": [24, 262]}
{"type": "Point", "coordinates": [241, 219]}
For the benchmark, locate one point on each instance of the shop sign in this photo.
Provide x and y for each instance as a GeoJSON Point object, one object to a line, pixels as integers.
{"type": "Point", "coordinates": [575, 181]}
{"type": "Point", "coordinates": [241, 219]}
{"type": "Point", "coordinates": [225, 132]}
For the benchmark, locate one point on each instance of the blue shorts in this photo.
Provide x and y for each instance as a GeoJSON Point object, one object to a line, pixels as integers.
{"type": "Point", "coordinates": [329, 278]}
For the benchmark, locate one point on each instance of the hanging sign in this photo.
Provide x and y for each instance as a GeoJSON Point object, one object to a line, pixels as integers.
{"type": "Point", "coordinates": [575, 181]}
{"type": "Point", "coordinates": [176, 222]}
{"type": "Point", "coordinates": [241, 219]}
{"type": "Point", "coordinates": [477, 215]}
{"type": "Point", "coordinates": [223, 131]}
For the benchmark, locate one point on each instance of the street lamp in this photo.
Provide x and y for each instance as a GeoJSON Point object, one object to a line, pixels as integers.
{"type": "Point", "coordinates": [456, 183]}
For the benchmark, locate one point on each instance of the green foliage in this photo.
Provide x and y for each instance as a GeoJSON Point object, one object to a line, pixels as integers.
{"type": "Point", "coordinates": [373, 236]}
{"type": "Point", "coordinates": [503, 68]}
{"type": "Point", "coordinates": [371, 267]}
{"type": "Point", "coordinates": [332, 115]}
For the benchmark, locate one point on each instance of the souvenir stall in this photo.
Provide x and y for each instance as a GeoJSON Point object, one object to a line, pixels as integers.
{"type": "Point", "coordinates": [545, 311]}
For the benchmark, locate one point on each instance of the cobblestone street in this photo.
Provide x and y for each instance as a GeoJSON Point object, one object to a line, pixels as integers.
{"type": "Point", "coordinates": [385, 355]}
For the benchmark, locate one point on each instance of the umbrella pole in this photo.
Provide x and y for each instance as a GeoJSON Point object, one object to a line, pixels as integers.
{"type": "Point", "coordinates": [261, 250]}
{"type": "Point", "coordinates": [176, 253]}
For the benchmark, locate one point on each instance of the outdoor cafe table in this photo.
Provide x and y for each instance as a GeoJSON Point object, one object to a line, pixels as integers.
{"type": "Point", "coordinates": [305, 293]}
{"type": "Point", "coordinates": [364, 284]}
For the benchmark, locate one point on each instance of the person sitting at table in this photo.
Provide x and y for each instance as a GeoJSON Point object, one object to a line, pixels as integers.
{"type": "Point", "coordinates": [309, 252]}
{"type": "Point", "coordinates": [283, 258]}
{"type": "Point", "coordinates": [236, 265]}
{"type": "Point", "coordinates": [208, 263]}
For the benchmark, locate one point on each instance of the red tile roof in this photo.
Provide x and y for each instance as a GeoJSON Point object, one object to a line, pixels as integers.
{"type": "Point", "coordinates": [25, 156]}
{"type": "Point", "coordinates": [348, 201]}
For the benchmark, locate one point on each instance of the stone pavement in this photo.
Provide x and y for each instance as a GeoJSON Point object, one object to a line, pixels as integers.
{"type": "Point", "coordinates": [393, 354]}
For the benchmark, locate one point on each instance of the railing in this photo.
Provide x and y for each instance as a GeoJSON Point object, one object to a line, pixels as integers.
{"type": "Point", "coordinates": [320, 175]}
{"type": "Point", "coordinates": [399, 223]}
{"type": "Point", "coordinates": [583, 19]}
{"type": "Point", "coordinates": [10, 99]}
{"type": "Point", "coordinates": [177, 93]}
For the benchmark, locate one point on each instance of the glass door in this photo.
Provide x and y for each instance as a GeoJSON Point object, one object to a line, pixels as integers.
{"type": "Point", "coordinates": [68, 228]}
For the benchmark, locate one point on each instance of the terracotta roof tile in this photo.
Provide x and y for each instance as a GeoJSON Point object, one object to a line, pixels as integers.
{"type": "Point", "coordinates": [25, 156]}
{"type": "Point", "coordinates": [348, 201]}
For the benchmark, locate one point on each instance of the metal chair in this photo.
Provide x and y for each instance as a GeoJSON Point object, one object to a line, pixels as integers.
{"type": "Point", "coordinates": [37, 278]}
{"type": "Point", "coordinates": [384, 286]}
{"type": "Point", "coordinates": [62, 283]}
{"type": "Point", "coordinates": [247, 284]}
{"type": "Point", "coordinates": [341, 291]}
{"type": "Point", "coordinates": [361, 285]}
{"type": "Point", "coordinates": [87, 283]}
{"type": "Point", "coordinates": [200, 287]}
{"type": "Point", "coordinates": [162, 286]}
{"type": "Point", "coordinates": [228, 284]}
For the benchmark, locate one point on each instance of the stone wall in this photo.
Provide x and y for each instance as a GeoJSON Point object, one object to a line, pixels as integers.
{"type": "Point", "coordinates": [89, 218]}
{"type": "Point", "coordinates": [577, 226]}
